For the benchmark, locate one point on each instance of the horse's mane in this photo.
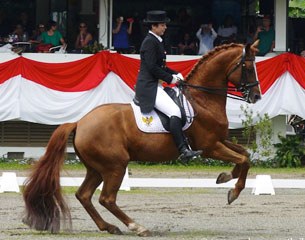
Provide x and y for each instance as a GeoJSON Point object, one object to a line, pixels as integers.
{"type": "Point", "coordinates": [210, 54]}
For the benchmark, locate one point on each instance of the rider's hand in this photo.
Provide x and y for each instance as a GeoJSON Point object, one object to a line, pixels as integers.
{"type": "Point", "coordinates": [180, 76]}
{"type": "Point", "coordinates": [176, 78]}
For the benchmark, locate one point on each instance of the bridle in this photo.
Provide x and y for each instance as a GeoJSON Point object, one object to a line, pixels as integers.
{"type": "Point", "coordinates": [244, 86]}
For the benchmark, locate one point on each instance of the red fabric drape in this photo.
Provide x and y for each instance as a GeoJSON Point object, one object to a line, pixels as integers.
{"type": "Point", "coordinates": [9, 69]}
{"type": "Point", "coordinates": [85, 74]}
{"type": "Point", "coordinates": [125, 67]}
{"type": "Point", "coordinates": [73, 76]}
{"type": "Point", "coordinates": [270, 70]}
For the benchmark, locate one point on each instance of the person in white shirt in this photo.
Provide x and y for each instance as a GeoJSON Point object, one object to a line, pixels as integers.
{"type": "Point", "coordinates": [206, 35]}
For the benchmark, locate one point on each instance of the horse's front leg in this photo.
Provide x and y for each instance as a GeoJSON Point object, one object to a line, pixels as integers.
{"type": "Point", "coordinates": [225, 153]}
{"type": "Point", "coordinates": [112, 183]}
{"type": "Point", "coordinates": [225, 177]}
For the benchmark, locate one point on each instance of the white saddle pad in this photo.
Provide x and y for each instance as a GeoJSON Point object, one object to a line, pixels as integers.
{"type": "Point", "coordinates": [151, 123]}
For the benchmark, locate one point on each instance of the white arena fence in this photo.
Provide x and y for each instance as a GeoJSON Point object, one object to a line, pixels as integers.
{"type": "Point", "coordinates": [262, 184]}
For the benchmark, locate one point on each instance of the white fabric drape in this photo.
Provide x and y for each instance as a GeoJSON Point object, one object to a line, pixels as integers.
{"type": "Point", "coordinates": [25, 100]}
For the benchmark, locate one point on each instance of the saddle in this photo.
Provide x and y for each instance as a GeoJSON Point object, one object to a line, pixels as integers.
{"type": "Point", "coordinates": [185, 108]}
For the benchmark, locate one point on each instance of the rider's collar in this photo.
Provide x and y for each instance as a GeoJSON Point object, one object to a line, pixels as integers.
{"type": "Point", "coordinates": [158, 37]}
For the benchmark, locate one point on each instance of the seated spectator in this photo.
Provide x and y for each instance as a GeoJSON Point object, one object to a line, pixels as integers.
{"type": "Point", "coordinates": [26, 23]}
{"type": "Point", "coordinates": [84, 38]}
{"type": "Point", "coordinates": [227, 32]}
{"type": "Point", "coordinates": [250, 35]}
{"type": "Point", "coordinates": [206, 35]}
{"type": "Point", "coordinates": [36, 35]}
{"type": "Point", "coordinates": [187, 45]}
{"type": "Point", "coordinates": [19, 34]}
{"type": "Point", "coordinates": [121, 31]}
{"type": "Point", "coordinates": [266, 36]}
{"type": "Point", "coordinates": [52, 36]}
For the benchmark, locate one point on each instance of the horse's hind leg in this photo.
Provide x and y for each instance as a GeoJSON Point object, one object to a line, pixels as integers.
{"type": "Point", "coordinates": [112, 183]}
{"type": "Point", "coordinates": [84, 194]}
{"type": "Point", "coordinates": [224, 153]}
{"type": "Point", "coordinates": [225, 177]}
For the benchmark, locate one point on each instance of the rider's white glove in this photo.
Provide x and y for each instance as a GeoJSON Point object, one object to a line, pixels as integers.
{"type": "Point", "coordinates": [176, 78]}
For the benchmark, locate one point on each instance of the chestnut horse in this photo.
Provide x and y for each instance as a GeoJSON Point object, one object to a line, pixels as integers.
{"type": "Point", "coordinates": [107, 138]}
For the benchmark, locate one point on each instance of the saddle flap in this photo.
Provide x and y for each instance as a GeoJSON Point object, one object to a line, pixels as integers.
{"type": "Point", "coordinates": [158, 122]}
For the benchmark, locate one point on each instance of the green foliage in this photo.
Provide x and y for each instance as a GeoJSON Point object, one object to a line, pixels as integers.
{"type": "Point", "coordinates": [296, 9]}
{"type": "Point", "coordinates": [13, 161]}
{"type": "Point", "coordinates": [262, 129]}
{"type": "Point", "coordinates": [234, 140]}
{"type": "Point", "coordinates": [289, 151]}
{"type": "Point", "coordinates": [194, 162]}
{"type": "Point", "coordinates": [93, 48]}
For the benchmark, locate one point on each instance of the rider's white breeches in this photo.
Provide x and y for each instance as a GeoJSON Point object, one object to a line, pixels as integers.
{"type": "Point", "coordinates": [165, 104]}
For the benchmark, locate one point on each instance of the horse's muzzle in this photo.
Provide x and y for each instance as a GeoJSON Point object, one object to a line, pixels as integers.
{"type": "Point", "coordinates": [254, 98]}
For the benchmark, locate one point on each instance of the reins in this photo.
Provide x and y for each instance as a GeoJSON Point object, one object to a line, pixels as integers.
{"type": "Point", "coordinates": [244, 87]}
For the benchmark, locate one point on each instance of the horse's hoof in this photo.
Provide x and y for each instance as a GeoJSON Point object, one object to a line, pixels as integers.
{"type": "Point", "coordinates": [115, 230]}
{"type": "Point", "coordinates": [223, 178]}
{"type": "Point", "coordinates": [145, 233]}
{"type": "Point", "coordinates": [231, 196]}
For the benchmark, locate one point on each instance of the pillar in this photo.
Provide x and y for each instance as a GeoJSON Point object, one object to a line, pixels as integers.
{"type": "Point", "coordinates": [281, 13]}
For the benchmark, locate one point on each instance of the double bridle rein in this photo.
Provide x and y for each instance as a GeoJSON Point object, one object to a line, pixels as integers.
{"type": "Point", "coordinates": [244, 86]}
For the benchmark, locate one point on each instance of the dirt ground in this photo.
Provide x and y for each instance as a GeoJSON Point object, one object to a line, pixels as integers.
{"type": "Point", "coordinates": [177, 214]}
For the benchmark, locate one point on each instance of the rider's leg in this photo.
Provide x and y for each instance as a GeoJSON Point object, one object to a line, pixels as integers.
{"type": "Point", "coordinates": [176, 130]}
{"type": "Point", "coordinates": [166, 105]}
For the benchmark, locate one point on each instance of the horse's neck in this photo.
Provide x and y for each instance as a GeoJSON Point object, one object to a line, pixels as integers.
{"type": "Point", "coordinates": [211, 102]}
{"type": "Point", "coordinates": [208, 100]}
{"type": "Point", "coordinates": [211, 74]}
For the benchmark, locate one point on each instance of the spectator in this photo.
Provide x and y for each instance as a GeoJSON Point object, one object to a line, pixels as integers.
{"type": "Point", "coordinates": [184, 21]}
{"type": "Point", "coordinates": [24, 20]}
{"type": "Point", "coordinates": [52, 35]}
{"type": "Point", "coordinates": [136, 36]}
{"type": "Point", "coordinates": [206, 35]}
{"type": "Point", "coordinates": [250, 34]}
{"type": "Point", "coordinates": [84, 38]}
{"type": "Point", "coordinates": [266, 36]}
{"type": "Point", "coordinates": [36, 37]}
{"type": "Point", "coordinates": [227, 32]}
{"type": "Point", "coordinates": [187, 45]}
{"type": "Point", "coordinates": [20, 35]}
{"type": "Point", "coordinates": [121, 32]}
{"type": "Point", "coordinates": [302, 54]}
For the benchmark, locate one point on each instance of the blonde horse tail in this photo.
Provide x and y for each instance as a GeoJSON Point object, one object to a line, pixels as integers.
{"type": "Point", "coordinates": [44, 203]}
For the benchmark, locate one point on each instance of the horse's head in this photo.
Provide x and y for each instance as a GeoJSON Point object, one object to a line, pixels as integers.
{"type": "Point", "coordinates": [233, 63]}
{"type": "Point", "coordinates": [243, 74]}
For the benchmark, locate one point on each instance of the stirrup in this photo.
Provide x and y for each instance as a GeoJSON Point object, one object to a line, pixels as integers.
{"type": "Point", "coordinates": [188, 155]}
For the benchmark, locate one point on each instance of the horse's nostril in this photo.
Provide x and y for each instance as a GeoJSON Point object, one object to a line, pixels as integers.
{"type": "Point", "coordinates": [257, 97]}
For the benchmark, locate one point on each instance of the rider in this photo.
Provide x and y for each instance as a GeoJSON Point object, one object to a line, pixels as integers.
{"type": "Point", "coordinates": [149, 92]}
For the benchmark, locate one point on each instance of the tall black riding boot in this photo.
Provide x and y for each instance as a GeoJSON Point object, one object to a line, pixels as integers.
{"type": "Point", "coordinates": [186, 154]}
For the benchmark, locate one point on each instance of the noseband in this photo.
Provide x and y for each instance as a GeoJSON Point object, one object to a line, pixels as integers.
{"type": "Point", "coordinates": [244, 86]}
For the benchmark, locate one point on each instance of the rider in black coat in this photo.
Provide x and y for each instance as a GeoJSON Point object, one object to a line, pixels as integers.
{"type": "Point", "coordinates": [149, 92]}
{"type": "Point", "coordinates": [153, 67]}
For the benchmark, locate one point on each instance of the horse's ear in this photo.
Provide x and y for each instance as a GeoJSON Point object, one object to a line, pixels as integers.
{"type": "Point", "coordinates": [254, 47]}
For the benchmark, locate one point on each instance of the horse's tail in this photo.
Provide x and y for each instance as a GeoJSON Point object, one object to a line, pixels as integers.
{"type": "Point", "coordinates": [44, 203]}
